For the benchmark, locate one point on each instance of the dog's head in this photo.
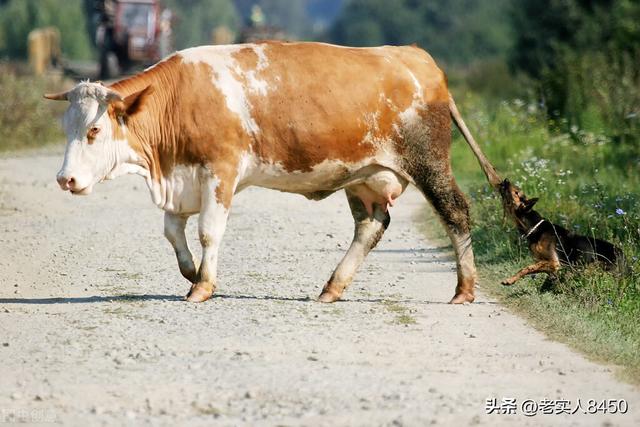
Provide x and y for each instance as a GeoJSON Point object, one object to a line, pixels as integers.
{"type": "Point", "coordinates": [514, 201]}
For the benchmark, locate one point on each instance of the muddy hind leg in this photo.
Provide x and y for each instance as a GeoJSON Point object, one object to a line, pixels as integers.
{"type": "Point", "coordinates": [451, 206]}
{"type": "Point", "coordinates": [368, 231]}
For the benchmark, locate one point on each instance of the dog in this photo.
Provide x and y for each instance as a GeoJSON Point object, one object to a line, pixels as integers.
{"type": "Point", "coordinates": [550, 244]}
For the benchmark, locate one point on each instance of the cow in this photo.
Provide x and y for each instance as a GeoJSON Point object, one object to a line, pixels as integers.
{"type": "Point", "coordinates": [306, 118]}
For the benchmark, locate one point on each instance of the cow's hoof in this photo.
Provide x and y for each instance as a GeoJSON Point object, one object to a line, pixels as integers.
{"type": "Point", "coordinates": [328, 296]}
{"type": "Point", "coordinates": [462, 298]}
{"type": "Point", "coordinates": [200, 292]}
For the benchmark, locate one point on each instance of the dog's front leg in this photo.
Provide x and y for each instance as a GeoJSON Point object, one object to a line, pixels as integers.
{"type": "Point", "coordinates": [550, 267]}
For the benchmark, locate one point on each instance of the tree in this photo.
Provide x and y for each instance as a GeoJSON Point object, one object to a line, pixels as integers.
{"type": "Point", "coordinates": [375, 22]}
{"type": "Point", "coordinates": [585, 56]}
{"type": "Point", "coordinates": [454, 31]}
{"type": "Point", "coordinates": [19, 17]}
{"type": "Point", "coordinates": [196, 19]}
{"type": "Point", "coordinates": [290, 16]}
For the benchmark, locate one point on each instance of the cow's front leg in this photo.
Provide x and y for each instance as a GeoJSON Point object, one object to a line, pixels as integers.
{"type": "Point", "coordinates": [211, 226]}
{"type": "Point", "coordinates": [174, 226]}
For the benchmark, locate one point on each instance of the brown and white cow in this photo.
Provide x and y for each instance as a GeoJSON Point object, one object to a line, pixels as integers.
{"type": "Point", "coordinates": [306, 118]}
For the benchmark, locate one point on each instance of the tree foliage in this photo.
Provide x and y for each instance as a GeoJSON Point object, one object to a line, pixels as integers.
{"type": "Point", "coordinates": [290, 16]}
{"type": "Point", "coordinates": [585, 56]}
{"type": "Point", "coordinates": [454, 31]}
{"type": "Point", "coordinates": [196, 19]}
{"type": "Point", "coordinates": [19, 17]}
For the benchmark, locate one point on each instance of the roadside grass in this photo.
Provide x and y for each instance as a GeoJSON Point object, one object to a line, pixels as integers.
{"type": "Point", "coordinates": [402, 313]}
{"type": "Point", "coordinates": [27, 120]}
{"type": "Point", "coordinates": [587, 183]}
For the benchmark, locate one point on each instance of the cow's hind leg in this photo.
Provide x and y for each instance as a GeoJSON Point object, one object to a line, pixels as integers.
{"type": "Point", "coordinates": [368, 231]}
{"type": "Point", "coordinates": [174, 226]}
{"type": "Point", "coordinates": [440, 188]}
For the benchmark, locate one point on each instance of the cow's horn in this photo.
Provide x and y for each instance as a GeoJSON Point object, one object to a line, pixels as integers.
{"type": "Point", "coordinates": [61, 96]}
{"type": "Point", "coordinates": [113, 96]}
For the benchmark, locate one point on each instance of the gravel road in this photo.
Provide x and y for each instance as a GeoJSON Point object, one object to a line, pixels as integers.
{"type": "Point", "coordinates": [93, 328]}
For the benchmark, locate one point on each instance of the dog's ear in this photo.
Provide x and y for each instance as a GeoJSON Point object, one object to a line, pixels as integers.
{"type": "Point", "coordinates": [528, 204]}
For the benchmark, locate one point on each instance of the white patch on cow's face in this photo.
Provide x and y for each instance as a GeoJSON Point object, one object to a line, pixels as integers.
{"type": "Point", "coordinates": [89, 161]}
{"type": "Point", "coordinates": [226, 72]}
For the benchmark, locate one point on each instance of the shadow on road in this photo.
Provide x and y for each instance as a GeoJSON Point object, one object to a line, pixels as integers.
{"type": "Point", "coordinates": [140, 298]}
{"type": "Point", "coordinates": [91, 299]}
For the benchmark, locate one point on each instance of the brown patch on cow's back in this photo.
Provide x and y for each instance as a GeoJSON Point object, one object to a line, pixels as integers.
{"type": "Point", "coordinates": [326, 102]}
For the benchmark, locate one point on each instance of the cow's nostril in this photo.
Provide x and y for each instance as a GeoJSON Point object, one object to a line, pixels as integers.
{"type": "Point", "coordinates": [66, 183]}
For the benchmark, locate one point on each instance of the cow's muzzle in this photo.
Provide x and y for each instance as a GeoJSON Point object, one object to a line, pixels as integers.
{"type": "Point", "coordinates": [69, 183]}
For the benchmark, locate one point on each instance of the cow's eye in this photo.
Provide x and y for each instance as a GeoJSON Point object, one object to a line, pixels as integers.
{"type": "Point", "coordinates": [91, 134]}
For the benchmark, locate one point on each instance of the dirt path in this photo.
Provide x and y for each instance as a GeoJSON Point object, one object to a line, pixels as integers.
{"type": "Point", "coordinates": [93, 328]}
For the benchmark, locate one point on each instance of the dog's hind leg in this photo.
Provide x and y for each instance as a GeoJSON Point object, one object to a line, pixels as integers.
{"type": "Point", "coordinates": [549, 267]}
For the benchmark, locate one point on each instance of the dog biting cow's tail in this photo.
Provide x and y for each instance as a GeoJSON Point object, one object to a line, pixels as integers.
{"type": "Point", "coordinates": [488, 169]}
{"type": "Point", "coordinates": [608, 255]}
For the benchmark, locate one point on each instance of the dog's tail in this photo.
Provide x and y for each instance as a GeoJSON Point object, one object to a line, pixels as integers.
{"type": "Point", "coordinates": [487, 167]}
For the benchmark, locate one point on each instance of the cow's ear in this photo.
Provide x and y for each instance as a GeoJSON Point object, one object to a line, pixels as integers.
{"type": "Point", "coordinates": [134, 103]}
{"type": "Point", "coordinates": [131, 104]}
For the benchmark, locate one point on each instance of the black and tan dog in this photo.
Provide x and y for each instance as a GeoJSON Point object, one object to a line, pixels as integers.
{"type": "Point", "coordinates": [550, 244]}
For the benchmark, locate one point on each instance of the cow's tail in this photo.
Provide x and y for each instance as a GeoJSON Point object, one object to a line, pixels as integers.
{"type": "Point", "coordinates": [488, 169]}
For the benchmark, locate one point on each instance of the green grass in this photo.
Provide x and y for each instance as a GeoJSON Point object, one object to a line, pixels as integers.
{"type": "Point", "coordinates": [27, 120]}
{"type": "Point", "coordinates": [587, 183]}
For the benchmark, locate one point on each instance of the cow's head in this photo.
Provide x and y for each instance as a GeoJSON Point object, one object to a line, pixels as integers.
{"type": "Point", "coordinates": [95, 125]}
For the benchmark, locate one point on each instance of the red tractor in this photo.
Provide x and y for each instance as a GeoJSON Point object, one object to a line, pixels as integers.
{"type": "Point", "coordinates": [130, 33]}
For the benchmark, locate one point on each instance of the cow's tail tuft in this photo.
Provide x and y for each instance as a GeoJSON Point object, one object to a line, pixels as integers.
{"type": "Point", "coordinates": [488, 169]}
